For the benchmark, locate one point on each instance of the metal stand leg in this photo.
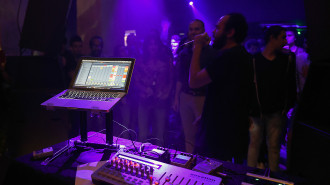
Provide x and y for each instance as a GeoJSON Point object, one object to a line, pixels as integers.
{"type": "Point", "coordinates": [83, 126]}
{"type": "Point", "coordinates": [83, 136]}
{"type": "Point", "coordinates": [109, 127]}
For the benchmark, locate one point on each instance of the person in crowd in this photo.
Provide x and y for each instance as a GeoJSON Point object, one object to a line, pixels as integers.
{"type": "Point", "coordinates": [76, 45]}
{"type": "Point", "coordinates": [96, 46]}
{"type": "Point", "coordinates": [274, 95]}
{"type": "Point", "coordinates": [188, 101]}
{"type": "Point", "coordinates": [224, 120]}
{"type": "Point", "coordinates": [125, 110]}
{"type": "Point", "coordinates": [71, 57]}
{"type": "Point", "coordinates": [133, 47]}
{"type": "Point", "coordinates": [95, 122]}
{"type": "Point", "coordinates": [154, 82]}
{"type": "Point", "coordinates": [252, 46]}
{"type": "Point", "coordinates": [175, 40]}
{"type": "Point", "coordinates": [302, 61]}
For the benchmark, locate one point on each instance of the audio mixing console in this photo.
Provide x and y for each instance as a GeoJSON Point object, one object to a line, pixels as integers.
{"type": "Point", "coordinates": [125, 168]}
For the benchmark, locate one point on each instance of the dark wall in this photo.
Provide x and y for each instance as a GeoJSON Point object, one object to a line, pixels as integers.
{"type": "Point", "coordinates": [44, 25]}
{"type": "Point", "coordinates": [308, 154]}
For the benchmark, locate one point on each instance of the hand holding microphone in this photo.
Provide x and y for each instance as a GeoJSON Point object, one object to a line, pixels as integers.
{"type": "Point", "coordinates": [201, 40]}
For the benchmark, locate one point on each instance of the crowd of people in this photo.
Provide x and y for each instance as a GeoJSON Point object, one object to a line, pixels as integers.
{"type": "Point", "coordinates": [232, 96]}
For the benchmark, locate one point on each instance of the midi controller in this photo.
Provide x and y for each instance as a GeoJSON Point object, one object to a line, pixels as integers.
{"type": "Point", "coordinates": [128, 169]}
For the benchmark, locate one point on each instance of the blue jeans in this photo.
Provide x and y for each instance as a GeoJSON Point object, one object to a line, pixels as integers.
{"type": "Point", "coordinates": [272, 124]}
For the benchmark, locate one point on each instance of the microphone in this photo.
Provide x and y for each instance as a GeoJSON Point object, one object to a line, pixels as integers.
{"type": "Point", "coordinates": [207, 38]}
{"type": "Point", "coordinates": [186, 43]}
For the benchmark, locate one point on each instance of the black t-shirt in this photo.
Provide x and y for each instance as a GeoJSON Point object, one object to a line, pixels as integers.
{"type": "Point", "coordinates": [276, 82]}
{"type": "Point", "coordinates": [184, 60]}
{"type": "Point", "coordinates": [224, 132]}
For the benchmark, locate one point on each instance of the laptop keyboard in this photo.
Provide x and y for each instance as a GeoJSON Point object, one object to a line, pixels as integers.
{"type": "Point", "coordinates": [89, 95]}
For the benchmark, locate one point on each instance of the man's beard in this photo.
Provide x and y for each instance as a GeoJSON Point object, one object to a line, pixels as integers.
{"type": "Point", "coordinates": [220, 43]}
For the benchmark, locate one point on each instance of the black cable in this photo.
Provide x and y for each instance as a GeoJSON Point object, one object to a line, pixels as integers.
{"type": "Point", "coordinates": [126, 129]}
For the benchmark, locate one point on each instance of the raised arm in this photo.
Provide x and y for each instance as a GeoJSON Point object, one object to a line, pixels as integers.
{"type": "Point", "coordinates": [198, 77]}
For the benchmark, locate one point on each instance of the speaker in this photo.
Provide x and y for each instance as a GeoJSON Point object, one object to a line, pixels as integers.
{"type": "Point", "coordinates": [44, 25]}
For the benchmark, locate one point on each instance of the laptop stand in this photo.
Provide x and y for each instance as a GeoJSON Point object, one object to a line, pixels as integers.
{"type": "Point", "coordinates": [83, 137]}
{"type": "Point", "coordinates": [109, 131]}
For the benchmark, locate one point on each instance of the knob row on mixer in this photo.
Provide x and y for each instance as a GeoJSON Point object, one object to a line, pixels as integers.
{"type": "Point", "coordinates": [133, 168]}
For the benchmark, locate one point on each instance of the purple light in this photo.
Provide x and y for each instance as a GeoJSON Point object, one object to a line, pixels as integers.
{"type": "Point", "coordinates": [191, 3]}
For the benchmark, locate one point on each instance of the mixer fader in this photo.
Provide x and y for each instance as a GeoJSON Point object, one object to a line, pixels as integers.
{"type": "Point", "coordinates": [125, 168]}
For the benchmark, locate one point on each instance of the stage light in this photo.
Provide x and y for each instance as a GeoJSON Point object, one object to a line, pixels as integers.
{"type": "Point", "coordinates": [191, 3]}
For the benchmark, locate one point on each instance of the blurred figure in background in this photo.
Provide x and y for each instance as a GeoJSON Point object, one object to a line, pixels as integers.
{"type": "Point", "coordinates": [96, 46]}
{"type": "Point", "coordinates": [71, 57]}
{"type": "Point", "coordinates": [125, 111]}
{"type": "Point", "coordinates": [302, 61]}
{"type": "Point", "coordinates": [154, 82]}
{"type": "Point", "coordinates": [175, 40]}
{"type": "Point", "coordinates": [133, 48]}
{"type": "Point", "coordinates": [252, 46]}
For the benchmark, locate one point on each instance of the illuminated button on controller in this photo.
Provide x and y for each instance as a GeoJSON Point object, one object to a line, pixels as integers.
{"type": "Point", "coordinates": [156, 182]}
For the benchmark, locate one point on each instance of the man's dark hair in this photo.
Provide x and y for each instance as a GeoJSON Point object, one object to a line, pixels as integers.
{"type": "Point", "coordinates": [200, 21]}
{"type": "Point", "coordinates": [237, 22]}
{"type": "Point", "coordinates": [274, 31]}
{"type": "Point", "coordinates": [93, 38]}
{"type": "Point", "coordinates": [75, 38]}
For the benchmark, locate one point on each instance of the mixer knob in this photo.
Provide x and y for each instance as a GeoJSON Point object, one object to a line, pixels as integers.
{"type": "Point", "coordinates": [131, 167]}
{"type": "Point", "coordinates": [142, 173]}
{"type": "Point", "coordinates": [126, 167]}
{"type": "Point", "coordinates": [167, 179]}
{"type": "Point", "coordinates": [147, 172]}
{"type": "Point", "coordinates": [137, 170]}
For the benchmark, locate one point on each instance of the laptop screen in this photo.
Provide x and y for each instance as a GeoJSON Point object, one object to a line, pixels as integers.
{"type": "Point", "coordinates": [104, 73]}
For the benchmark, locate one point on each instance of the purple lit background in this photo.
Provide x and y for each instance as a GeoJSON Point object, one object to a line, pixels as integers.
{"type": "Point", "coordinates": [110, 19]}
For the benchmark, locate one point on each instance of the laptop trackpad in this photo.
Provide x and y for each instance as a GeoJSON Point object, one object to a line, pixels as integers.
{"type": "Point", "coordinates": [79, 104]}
